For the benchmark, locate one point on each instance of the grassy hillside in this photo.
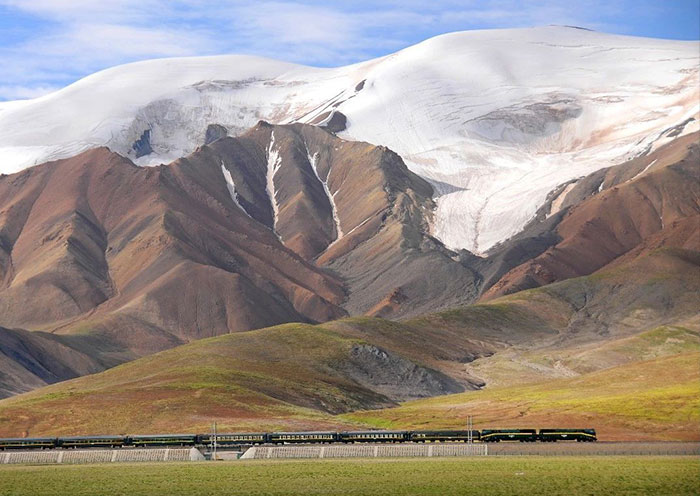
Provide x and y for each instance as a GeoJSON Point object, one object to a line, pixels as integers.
{"type": "Point", "coordinates": [519, 365]}
{"type": "Point", "coordinates": [286, 377]}
{"type": "Point", "coordinates": [651, 399]}
{"type": "Point", "coordinates": [645, 400]}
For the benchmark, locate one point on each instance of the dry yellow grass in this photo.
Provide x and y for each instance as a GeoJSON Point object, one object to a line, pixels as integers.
{"type": "Point", "coordinates": [647, 400]}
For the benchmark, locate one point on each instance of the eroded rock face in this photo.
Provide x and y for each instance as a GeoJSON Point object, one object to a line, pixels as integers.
{"type": "Point", "coordinates": [332, 121]}
{"type": "Point", "coordinates": [394, 376]}
{"type": "Point", "coordinates": [214, 132]}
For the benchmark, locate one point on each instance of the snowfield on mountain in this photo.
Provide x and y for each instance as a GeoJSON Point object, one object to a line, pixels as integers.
{"type": "Point", "coordinates": [494, 120]}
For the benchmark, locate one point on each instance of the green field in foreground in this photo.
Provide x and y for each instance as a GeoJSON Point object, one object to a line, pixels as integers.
{"type": "Point", "coordinates": [459, 476]}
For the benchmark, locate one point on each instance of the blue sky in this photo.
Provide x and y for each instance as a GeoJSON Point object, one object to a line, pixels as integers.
{"type": "Point", "coordinates": [47, 44]}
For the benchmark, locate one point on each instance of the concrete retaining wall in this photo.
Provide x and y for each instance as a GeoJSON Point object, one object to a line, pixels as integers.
{"type": "Point", "coordinates": [657, 448]}
{"type": "Point", "coordinates": [365, 451]}
{"type": "Point", "coordinates": [101, 456]}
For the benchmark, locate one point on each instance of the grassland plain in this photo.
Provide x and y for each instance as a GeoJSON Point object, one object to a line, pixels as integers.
{"type": "Point", "coordinates": [646, 400]}
{"type": "Point", "coordinates": [570, 476]}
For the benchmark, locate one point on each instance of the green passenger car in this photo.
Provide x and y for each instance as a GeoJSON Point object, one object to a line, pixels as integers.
{"type": "Point", "coordinates": [444, 436]}
{"type": "Point", "coordinates": [27, 443]}
{"type": "Point", "coordinates": [374, 436]}
{"type": "Point", "coordinates": [498, 435]}
{"type": "Point", "coordinates": [580, 435]}
{"type": "Point", "coordinates": [163, 440]}
{"type": "Point", "coordinates": [91, 442]}
{"type": "Point", "coordinates": [233, 439]}
{"type": "Point", "coordinates": [302, 437]}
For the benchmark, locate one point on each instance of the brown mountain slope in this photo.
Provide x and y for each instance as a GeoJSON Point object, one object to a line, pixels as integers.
{"type": "Point", "coordinates": [33, 359]}
{"type": "Point", "coordinates": [643, 204]}
{"type": "Point", "coordinates": [351, 207]}
{"type": "Point", "coordinates": [292, 376]}
{"type": "Point", "coordinates": [103, 243]}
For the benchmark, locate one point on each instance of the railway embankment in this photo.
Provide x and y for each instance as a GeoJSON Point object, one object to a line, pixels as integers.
{"type": "Point", "coordinates": [68, 457]}
{"type": "Point", "coordinates": [336, 451]}
{"type": "Point", "coordinates": [650, 448]}
{"type": "Point", "coordinates": [366, 451]}
{"type": "Point", "coordinates": [462, 449]}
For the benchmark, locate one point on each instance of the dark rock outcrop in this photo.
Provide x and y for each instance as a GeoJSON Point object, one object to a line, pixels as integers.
{"type": "Point", "coordinates": [214, 132]}
{"type": "Point", "coordinates": [142, 146]}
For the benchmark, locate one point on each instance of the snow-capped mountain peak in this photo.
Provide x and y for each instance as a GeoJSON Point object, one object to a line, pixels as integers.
{"type": "Point", "coordinates": [494, 119]}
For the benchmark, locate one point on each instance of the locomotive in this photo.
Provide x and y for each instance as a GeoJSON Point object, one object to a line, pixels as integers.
{"type": "Point", "coordinates": [256, 438]}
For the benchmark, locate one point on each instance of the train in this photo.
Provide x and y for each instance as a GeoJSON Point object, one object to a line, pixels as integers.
{"type": "Point", "coordinates": [257, 438]}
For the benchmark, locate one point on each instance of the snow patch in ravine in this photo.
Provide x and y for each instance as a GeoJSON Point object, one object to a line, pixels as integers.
{"type": "Point", "coordinates": [645, 169]}
{"type": "Point", "coordinates": [274, 162]}
{"type": "Point", "coordinates": [232, 188]}
{"type": "Point", "coordinates": [313, 159]}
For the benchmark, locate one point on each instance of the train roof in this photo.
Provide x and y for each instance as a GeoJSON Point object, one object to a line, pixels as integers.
{"type": "Point", "coordinates": [445, 430]}
{"type": "Point", "coordinates": [91, 437]}
{"type": "Point", "coordinates": [303, 432]}
{"type": "Point", "coordinates": [235, 434]}
{"type": "Point", "coordinates": [6, 439]}
{"type": "Point", "coordinates": [568, 430]}
{"type": "Point", "coordinates": [509, 430]}
{"type": "Point", "coordinates": [160, 436]}
{"type": "Point", "coordinates": [374, 432]}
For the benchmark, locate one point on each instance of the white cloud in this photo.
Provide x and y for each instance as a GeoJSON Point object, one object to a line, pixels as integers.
{"type": "Point", "coordinates": [17, 92]}
{"type": "Point", "coordinates": [109, 41]}
{"type": "Point", "coordinates": [75, 11]}
{"type": "Point", "coordinates": [297, 23]}
{"type": "Point", "coordinates": [78, 37]}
